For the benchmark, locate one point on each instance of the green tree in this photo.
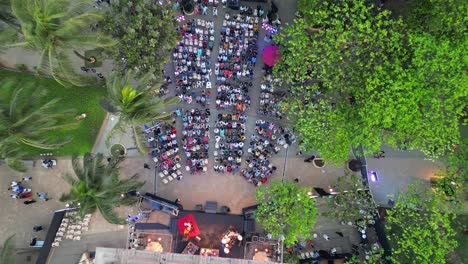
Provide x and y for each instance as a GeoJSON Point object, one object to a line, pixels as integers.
{"type": "Point", "coordinates": [8, 254]}
{"type": "Point", "coordinates": [27, 115]}
{"type": "Point", "coordinates": [351, 203]}
{"type": "Point", "coordinates": [441, 18]}
{"type": "Point", "coordinates": [420, 227]}
{"type": "Point", "coordinates": [339, 58]}
{"type": "Point", "coordinates": [98, 186]}
{"type": "Point", "coordinates": [147, 33]}
{"type": "Point", "coordinates": [286, 209]}
{"type": "Point", "coordinates": [54, 27]}
{"type": "Point", "coordinates": [356, 78]}
{"type": "Point", "coordinates": [135, 104]}
{"type": "Point", "coordinates": [452, 177]}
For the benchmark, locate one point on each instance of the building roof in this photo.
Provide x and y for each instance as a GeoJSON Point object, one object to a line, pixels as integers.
{"type": "Point", "coordinates": [118, 255]}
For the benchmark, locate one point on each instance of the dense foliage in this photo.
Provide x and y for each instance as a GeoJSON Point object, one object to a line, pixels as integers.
{"type": "Point", "coordinates": [134, 104]}
{"type": "Point", "coordinates": [26, 118]}
{"type": "Point", "coordinates": [54, 27]}
{"type": "Point", "coordinates": [442, 18]}
{"type": "Point", "coordinates": [357, 77]}
{"type": "Point", "coordinates": [286, 209]}
{"type": "Point", "coordinates": [452, 177]}
{"type": "Point", "coordinates": [420, 227]}
{"type": "Point", "coordinates": [147, 32]}
{"type": "Point", "coordinates": [97, 186]}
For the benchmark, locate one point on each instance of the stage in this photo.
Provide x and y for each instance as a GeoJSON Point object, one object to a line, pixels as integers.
{"type": "Point", "coordinates": [211, 227]}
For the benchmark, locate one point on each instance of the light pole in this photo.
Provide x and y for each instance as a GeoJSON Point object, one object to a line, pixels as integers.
{"type": "Point", "coordinates": [284, 163]}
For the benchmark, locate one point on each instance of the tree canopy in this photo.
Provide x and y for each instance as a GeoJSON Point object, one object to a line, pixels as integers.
{"type": "Point", "coordinates": [147, 33]}
{"type": "Point", "coordinates": [97, 186]}
{"type": "Point", "coordinates": [286, 209]}
{"type": "Point", "coordinates": [357, 78]}
{"type": "Point", "coordinates": [134, 104]}
{"type": "Point", "coordinates": [419, 227]}
{"type": "Point", "coordinates": [26, 117]}
{"type": "Point", "coordinates": [54, 27]}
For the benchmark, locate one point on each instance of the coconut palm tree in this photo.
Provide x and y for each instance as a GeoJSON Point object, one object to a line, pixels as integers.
{"type": "Point", "coordinates": [7, 254]}
{"type": "Point", "coordinates": [26, 117]}
{"type": "Point", "coordinates": [54, 27]}
{"type": "Point", "coordinates": [134, 104]}
{"type": "Point", "coordinates": [97, 185]}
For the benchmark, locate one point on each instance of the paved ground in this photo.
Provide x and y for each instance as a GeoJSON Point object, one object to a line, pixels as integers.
{"type": "Point", "coordinates": [397, 170]}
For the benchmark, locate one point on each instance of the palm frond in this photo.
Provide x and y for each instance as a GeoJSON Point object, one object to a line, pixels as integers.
{"type": "Point", "coordinates": [76, 24]}
{"type": "Point", "coordinates": [107, 211]}
{"type": "Point", "coordinates": [98, 186]}
{"type": "Point", "coordinates": [41, 145]}
{"type": "Point", "coordinates": [16, 164]}
{"type": "Point", "coordinates": [139, 141]}
{"type": "Point", "coordinates": [8, 35]}
{"type": "Point", "coordinates": [107, 105]}
{"type": "Point", "coordinates": [8, 254]}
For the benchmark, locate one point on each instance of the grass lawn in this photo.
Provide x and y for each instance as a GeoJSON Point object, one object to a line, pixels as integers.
{"type": "Point", "coordinates": [82, 99]}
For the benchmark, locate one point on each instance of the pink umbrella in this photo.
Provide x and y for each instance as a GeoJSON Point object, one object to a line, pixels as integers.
{"type": "Point", "coordinates": [270, 55]}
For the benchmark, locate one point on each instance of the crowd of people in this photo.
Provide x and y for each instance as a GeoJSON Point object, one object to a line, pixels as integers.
{"type": "Point", "coordinates": [270, 97]}
{"type": "Point", "coordinates": [236, 59]}
{"type": "Point", "coordinates": [263, 144]}
{"type": "Point", "coordinates": [196, 137]}
{"type": "Point", "coordinates": [238, 99]}
{"type": "Point", "coordinates": [192, 61]}
{"type": "Point", "coordinates": [162, 138]}
{"type": "Point", "coordinates": [229, 134]}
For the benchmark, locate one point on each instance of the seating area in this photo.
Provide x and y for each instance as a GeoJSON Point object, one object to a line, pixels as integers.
{"type": "Point", "coordinates": [71, 227]}
{"type": "Point", "coordinates": [269, 98]}
{"type": "Point", "coordinates": [263, 144]}
{"type": "Point", "coordinates": [192, 61]}
{"type": "Point", "coordinates": [195, 139]}
{"type": "Point", "coordinates": [165, 151]}
{"type": "Point", "coordinates": [229, 134]}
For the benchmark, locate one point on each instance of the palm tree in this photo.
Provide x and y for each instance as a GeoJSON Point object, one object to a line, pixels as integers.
{"type": "Point", "coordinates": [135, 105]}
{"type": "Point", "coordinates": [7, 254]}
{"type": "Point", "coordinates": [98, 186]}
{"type": "Point", "coordinates": [54, 27]}
{"type": "Point", "coordinates": [26, 118]}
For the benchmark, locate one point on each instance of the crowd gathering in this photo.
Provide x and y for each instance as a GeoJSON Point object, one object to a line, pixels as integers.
{"type": "Point", "coordinates": [270, 97]}
{"type": "Point", "coordinates": [263, 144]}
{"type": "Point", "coordinates": [192, 59]}
{"type": "Point", "coordinates": [233, 78]}
{"type": "Point", "coordinates": [195, 138]}
{"type": "Point", "coordinates": [162, 139]}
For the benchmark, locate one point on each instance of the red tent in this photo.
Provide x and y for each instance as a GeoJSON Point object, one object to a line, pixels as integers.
{"type": "Point", "coordinates": [188, 226]}
{"type": "Point", "coordinates": [270, 55]}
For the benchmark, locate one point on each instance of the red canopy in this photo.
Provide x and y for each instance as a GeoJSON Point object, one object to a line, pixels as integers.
{"type": "Point", "coordinates": [270, 55]}
{"type": "Point", "coordinates": [188, 226]}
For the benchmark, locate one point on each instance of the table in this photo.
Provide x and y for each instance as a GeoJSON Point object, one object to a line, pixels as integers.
{"type": "Point", "coordinates": [261, 256]}
{"type": "Point", "coordinates": [191, 248]}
